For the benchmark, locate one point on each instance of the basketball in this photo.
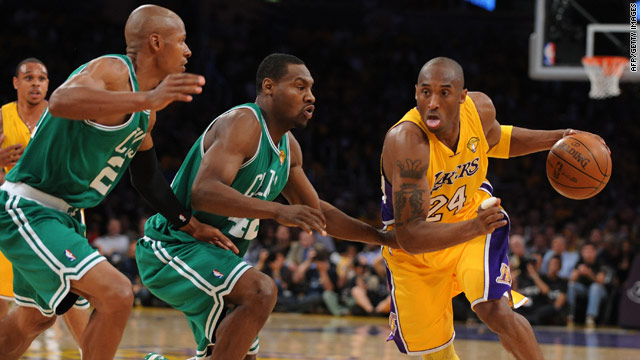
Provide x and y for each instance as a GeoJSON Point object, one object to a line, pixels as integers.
{"type": "Point", "coordinates": [579, 166]}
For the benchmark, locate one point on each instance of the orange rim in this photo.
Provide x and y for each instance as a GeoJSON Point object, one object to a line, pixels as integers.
{"type": "Point", "coordinates": [610, 64]}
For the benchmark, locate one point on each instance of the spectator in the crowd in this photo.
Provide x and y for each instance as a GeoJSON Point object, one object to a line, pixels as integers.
{"type": "Point", "coordinates": [326, 242]}
{"type": "Point", "coordinates": [325, 274]}
{"type": "Point", "coordinates": [569, 258]}
{"type": "Point", "coordinates": [264, 242]}
{"type": "Point", "coordinates": [539, 244]}
{"type": "Point", "coordinates": [367, 292]}
{"type": "Point", "coordinates": [302, 250]}
{"type": "Point", "coordinates": [283, 238]}
{"type": "Point", "coordinates": [518, 256]}
{"type": "Point", "coordinates": [314, 279]}
{"type": "Point", "coordinates": [624, 260]}
{"type": "Point", "coordinates": [588, 278]}
{"type": "Point", "coordinates": [547, 294]}
{"type": "Point", "coordinates": [272, 264]}
{"type": "Point", "coordinates": [570, 233]}
{"type": "Point", "coordinates": [344, 267]}
{"type": "Point", "coordinates": [114, 245]}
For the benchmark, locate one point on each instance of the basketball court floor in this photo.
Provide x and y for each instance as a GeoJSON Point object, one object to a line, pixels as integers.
{"type": "Point", "coordinates": [319, 337]}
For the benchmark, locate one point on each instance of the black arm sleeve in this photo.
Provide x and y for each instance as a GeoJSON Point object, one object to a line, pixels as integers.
{"type": "Point", "coordinates": [147, 178]}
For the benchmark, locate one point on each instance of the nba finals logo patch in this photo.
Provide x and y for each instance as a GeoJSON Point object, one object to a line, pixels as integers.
{"type": "Point", "coordinates": [473, 144]}
{"type": "Point", "coordinates": [69, 255]}
{"type": "Point", "coordinates": [505, 275]}
{"type": "Point", "coordinates": [218, 274]}
{"type": "Point", "coordinates": [282, 157]}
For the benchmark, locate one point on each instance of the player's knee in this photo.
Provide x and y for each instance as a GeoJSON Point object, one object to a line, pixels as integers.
{"type": "Point", "coordinates": [497, 315]}
{"type": "Point", "coordinates": [268, 291]}
{"type": "Point", "coordinates": [117, 296]}
{"type": "Point", "coordinates": [42, 324]}
{"type": "Point", "coordinates": [31, 321]}
{"type": "Point", "coordinates": [263, 296]}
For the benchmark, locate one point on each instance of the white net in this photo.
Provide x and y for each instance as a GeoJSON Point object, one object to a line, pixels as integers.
{"type": "Point", "coordinates": [604, 73]}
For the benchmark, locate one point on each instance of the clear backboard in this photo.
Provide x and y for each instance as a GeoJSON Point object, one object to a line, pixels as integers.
{"type": "Point", "coordinates": [567, 30]}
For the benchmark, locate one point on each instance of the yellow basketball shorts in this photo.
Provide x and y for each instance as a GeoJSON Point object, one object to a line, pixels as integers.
{"type": "Point", "coordinates": [6, 278]}
{"type": "Point", "coordinates": [423, 285]}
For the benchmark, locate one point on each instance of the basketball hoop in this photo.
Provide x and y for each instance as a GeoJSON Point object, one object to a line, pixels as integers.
{"type": "Point", "coordinates": [604, 73]}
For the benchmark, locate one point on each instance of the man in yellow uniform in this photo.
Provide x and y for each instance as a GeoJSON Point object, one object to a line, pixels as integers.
{"type": "Point", "coordinates": [17, 121]}
{"type": "Point", "coordinates": [434, 164]}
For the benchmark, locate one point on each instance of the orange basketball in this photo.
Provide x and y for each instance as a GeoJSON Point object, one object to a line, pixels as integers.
{"type": "Point", "coordinates": [579, 166]}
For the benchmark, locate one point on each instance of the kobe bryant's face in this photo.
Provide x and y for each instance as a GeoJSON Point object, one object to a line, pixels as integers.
{"type": "Point", "coordinates": [438, 96]}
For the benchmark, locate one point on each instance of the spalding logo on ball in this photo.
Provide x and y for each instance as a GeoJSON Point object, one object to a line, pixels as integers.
{"type": "Point", "coordinates": [579, 166]}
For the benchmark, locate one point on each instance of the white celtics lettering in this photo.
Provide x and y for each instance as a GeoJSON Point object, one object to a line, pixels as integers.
{"type": "Point", "coordinates": [256, 185]}
{"type": "Point", "coordinates": [103, 182]}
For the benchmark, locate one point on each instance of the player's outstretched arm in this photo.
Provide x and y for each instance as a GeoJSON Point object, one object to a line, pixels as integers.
{"type": "Point", "coordinates": [522, 141]}
{"type": "Point", "coordinates": [102, 92]}
{"type": "Point", "coordinates": [147, 178]}
{"type": "Point", "coordinates": [233, 140]}
{"type": "Point", "coordinates": [405, 161]}
{"type": "Point", "coordinates": [340, 225]}
{"type": "Point", "coordinates": [343, 226]}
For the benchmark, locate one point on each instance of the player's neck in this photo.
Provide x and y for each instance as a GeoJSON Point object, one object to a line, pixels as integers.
{"type": "Point", "coordinates": [147, 80]}
{"type": "Point", "coordinates": [274, 127]}
{"type": "Point", "coordinates": [146, 74]}
{"type": "Point", "coordinates": [450, 137]}
{"type": "Point", "coordinates": [276, 131]}
{"type": "Point", "coordinates": [30, 114]}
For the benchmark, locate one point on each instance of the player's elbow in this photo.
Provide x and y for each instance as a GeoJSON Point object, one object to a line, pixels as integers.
{"type": "Point", "coordinates": [408, 241]}
{"type": "Point", "coordinates": [60, 104]}
{"type": "Point", "coordinates": [197, 197]}
{"type": "Point", "coordinates": [413, 239]}
{"type": "Point", "coordinates": [55, 105]}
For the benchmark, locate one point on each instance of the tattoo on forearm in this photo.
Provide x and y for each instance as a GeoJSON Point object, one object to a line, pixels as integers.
{"type": "Point", "coordinates": [409, 193]}
{"type": "Point", "coordinates": [412, 169]}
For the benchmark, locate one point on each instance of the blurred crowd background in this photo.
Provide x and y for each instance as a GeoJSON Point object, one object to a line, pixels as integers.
{"type": "Point", "coordinates": [365, 56]}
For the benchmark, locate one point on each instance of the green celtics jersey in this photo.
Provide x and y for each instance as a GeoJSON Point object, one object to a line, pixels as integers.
{"type": "Point", "coordinates": [262, 177]}
{"type": "Point", "coordinates": [80, 161]}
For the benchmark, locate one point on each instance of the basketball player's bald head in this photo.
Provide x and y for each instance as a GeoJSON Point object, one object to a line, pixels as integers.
{"type": "Point", "coordinates": [448, 70]}
{"type": "Point", "coordinates": [147, 20]}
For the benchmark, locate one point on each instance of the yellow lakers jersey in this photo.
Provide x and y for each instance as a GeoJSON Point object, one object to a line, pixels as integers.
{"type": "Point", "coordinates": [456, 178]}
{"type": "Point", "coordinates": [14, 129]}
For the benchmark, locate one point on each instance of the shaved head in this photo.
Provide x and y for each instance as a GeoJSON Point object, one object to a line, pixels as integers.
{"type": "Point", "coordinates": [147, 20]}
{"type": "Point", "coordinates": [449, 68]}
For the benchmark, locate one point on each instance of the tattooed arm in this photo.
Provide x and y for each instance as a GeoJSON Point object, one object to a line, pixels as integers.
{"type": "Point", "coordinates": [405, 160]}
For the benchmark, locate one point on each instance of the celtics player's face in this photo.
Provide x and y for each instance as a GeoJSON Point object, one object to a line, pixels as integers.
{"type": "Point", "coordinates": [175, 51]}
{"type": "Point", "coordinates": [32, 83]}
{"type": "Point", "coordinates": [292, 97]}
{"type": "Point", "coordinates": [439, 95]}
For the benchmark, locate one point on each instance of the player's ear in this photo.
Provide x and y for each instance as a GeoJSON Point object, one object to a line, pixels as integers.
{"type": "Point", "coordinates": [155, 42]}
{"type": "Point", "coordinates": [416, 94]}
{"type": "Point", "coordinates": [15, 83]}
{"type": "Point", "coordinates": [463, 96]}
{"type": "Point", "coordinates": [267, 86]}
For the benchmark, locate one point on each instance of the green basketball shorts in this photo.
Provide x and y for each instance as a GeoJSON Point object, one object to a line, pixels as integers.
{"type": "Point", "coordinates": [47, 249]}
{"type": "Point", "coordinates": [192, 277]}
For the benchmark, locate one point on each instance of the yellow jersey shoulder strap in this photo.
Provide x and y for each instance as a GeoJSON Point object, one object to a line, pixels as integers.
{"type": "Point", "coordinates": [12, 126]}
{"type": "Point", "coordinates": [14, 129]}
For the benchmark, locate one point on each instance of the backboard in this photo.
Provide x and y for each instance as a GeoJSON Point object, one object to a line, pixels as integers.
{"type": "Point", "coordinates": [567, 30]}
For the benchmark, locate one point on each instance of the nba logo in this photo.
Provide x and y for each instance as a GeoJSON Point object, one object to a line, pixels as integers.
{"type": "Point", "coordinates": [69, 255]}
{"type": "Point", "coordinates": [549, 54]}
{"type": "Point", "coordinates": [218, 274]}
